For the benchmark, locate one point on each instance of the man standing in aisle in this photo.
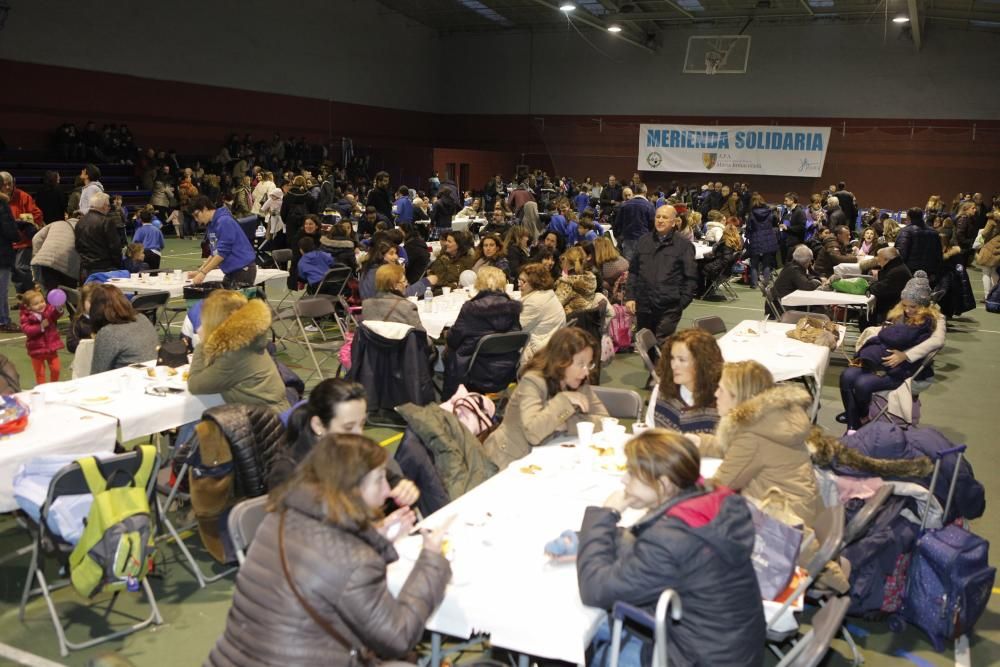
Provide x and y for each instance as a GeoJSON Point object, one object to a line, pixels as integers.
{"type": "Point", "coordinates": [379, 196]}
{"type": "Point", "coordinates": [633, 221]}
{"type": "Point", "coordinates": [662, 276]}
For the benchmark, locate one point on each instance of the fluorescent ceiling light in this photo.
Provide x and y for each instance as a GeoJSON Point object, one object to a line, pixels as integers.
{"type": "Point", "coordinates": [567, 7]}
{"type": "Point", "coordinates": [614, 28]}
{"type": "Point", "coordinates": [691, 5]}
{"type": "Point", "coordinates": [901, 19]}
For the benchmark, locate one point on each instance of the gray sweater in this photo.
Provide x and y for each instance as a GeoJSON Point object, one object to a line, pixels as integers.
{"type": "Point", "coordinates": [118, 345]}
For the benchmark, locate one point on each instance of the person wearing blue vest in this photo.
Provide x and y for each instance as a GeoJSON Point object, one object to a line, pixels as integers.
{"type": "Point", "coordinates": [231, 251]}
{"type": "Point", "coordinates": [150, 237]}
{"type": "Point", "coordinates": [403, 206]}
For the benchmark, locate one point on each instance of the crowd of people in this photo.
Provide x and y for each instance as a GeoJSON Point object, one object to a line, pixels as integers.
{"type": "Point", "coordinates": [625, 250]}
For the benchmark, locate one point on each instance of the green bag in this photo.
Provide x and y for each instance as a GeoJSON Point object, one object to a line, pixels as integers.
{"type": "Point", "coordinates": [117, 538]}
{"type": "Point", "coordinates": [851, 285]}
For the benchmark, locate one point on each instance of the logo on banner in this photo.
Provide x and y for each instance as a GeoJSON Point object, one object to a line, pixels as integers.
{"type": "Point", "coordinates": [709, 159]}
{"type": "Point", "coordinates": [654, 159]}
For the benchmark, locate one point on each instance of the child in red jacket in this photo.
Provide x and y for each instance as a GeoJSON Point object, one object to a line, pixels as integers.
{"type": "Point", "coordinates": [38, 322]}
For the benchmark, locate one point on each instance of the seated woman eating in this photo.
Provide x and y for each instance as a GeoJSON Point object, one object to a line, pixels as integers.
{"type": "Point", "coordinates": [887, 359]}
{"type": "Point", "coordinates": [455, 257]}
{"type": "Point", "coordinates": [384, 252]}
{"type": "Point", "coordinates": [232, 357]}
{"type": "Point", "coordinates": [389, 304]}
{"type": "Point", "coordinates": [551, 397]}
{"type": "Point", "coordinates": [490, 311]}
{"type": "Point", "coordinates": [542, 314]}
{"type": "Point", "coordinates": [761, 439]}
{"type": "Point", "coordinates": [313, 588]}
{"type": "Point", "coordinates": [121, 335]}
{"type": "Point", "coordinates": [694, 539]}
{"type": "Point", "coordinates": [688, 373]}
{"type": "Point", "coordinates": [335, 406]}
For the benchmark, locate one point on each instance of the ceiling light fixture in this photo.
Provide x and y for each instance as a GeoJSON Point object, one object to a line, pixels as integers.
{"type": "Point", "coordinates": [614, 28]}
{"type": "Point", "coordinates": [567, 7]}
{"type": "Point", "coordinates": [901, 19]}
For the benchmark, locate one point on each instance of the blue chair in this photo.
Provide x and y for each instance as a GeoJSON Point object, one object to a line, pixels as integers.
{"type": "Point", "coordinates": [669, 602]}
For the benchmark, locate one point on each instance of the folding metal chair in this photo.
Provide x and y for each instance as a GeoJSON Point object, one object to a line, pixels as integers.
{"type": "Point", "coordinates": [151, 305]}
{"type": "Point", "coordinates": [333, 283]}
{"type": "Point", "coordinates": [813, 647]}
{"type": "Point", "coordinates": [669, 603]}
{"type": "Point", "coordinates": [175, 494]}
{"type": "Point", "coordinates": [649, 352]}
{"type": "Point", "coordinates": [771, 305]}
{"type": "Point", "coordinates": [620, 403]}
{"type": "Point", "coordinates": [244, 519]}
{"type": "Point", "coordinates": [713, 324]}
{"type": "Point", "coordinates": [510, 343]}
{"type": "Point", "coordinates": [314, 309]}
{"type": "Point", "coordinates": [72, 300]}
{"type": "Point", "coordinates": [883, 398]}
{"type": "Point", "coordinates": [591, 320]}
{"type": "Point", "coordinates": [69, 481]}
{"type": "Point", "coordinates": [282, 258]}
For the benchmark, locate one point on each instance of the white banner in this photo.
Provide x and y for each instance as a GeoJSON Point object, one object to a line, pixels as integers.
{"type": "Point", "coordinates": [768, 150]}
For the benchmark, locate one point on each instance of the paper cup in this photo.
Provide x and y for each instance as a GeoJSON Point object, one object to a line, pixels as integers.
{"type": "Point", "coordinates": [609, 424]}
{"type": "Point", "coordinates": [638, 427]}
{"type": "Point", "coordinates": [446, 291]}
{"type": "Point", "coordinates": [584, 433]}
{"type": "Point", "coordinates": [36, 401]}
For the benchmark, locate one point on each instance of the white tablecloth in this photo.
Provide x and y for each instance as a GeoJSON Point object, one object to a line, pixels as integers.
{"type": "Point", "coordinates": [785, 357]}
{"type": "Point", "coordinates": [827, 298]}
{"type": "Point", "coordinates": [502, 582]}
{"type": "Point", "coordinates": [462, 224]}
{"type": "Point", "coordinates": [121, 394]}
{"type": "Point", "coordinates": [168, 282]}
{"type": "Point", "coordinates": [54, 429]}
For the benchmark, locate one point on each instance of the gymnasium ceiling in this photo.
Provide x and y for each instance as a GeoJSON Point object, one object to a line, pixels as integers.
{"type": "Point", "coordinates": [641, 22]}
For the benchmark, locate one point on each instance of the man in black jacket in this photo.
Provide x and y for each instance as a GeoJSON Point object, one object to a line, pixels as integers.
{"type": "Point", "coordinates": [380, 197]}
{"type": "Point", "coordinates": [795, 227]}
{"type": "Point", "coordinates": [836, 216]}
{"type": "Point", "coordinates": [795, 275]}
{"type": "Point", "coordinates": [893, 275]}
{"type": "Point", "coordinates": [613, 192]}
{"type": "Point", "coordinates": [848, 204]}
{"type": "Point", "coordinates": [919, 246]}
{"type": "Point", "coordinates": [97, 238]}
{"type": "Point", "coordinates": [662, 276]}
{"type": "Point", "coordinates": [8, 236]}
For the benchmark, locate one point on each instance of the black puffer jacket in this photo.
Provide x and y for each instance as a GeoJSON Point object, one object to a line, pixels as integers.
{"type": "Point", "coordinates": [295, 206]}
{"type": "Point", "coordinates": [488, 312]}
{"type": "Point", "coordinates": [698, 544]}
{"type": "Point", "coordinates": [722, 259]}
{"type": "Point", "coordinates": [663, 275]}
{"type": "Point", "coordinates": [254, 433]}
{"type": "Point", "coordinates": [98, 242]}
{"type": "Point", "coordinates": [920, 248]}
{"type": "Point", "coordinates": [340, 570]}
{"type": "Point", "coordinates": [392, 372]}
{"type": "Point", "coordinates": [8, 235]}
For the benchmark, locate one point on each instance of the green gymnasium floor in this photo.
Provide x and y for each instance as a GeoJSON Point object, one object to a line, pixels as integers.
{"type": "Point", "coordinates": [958, 404]}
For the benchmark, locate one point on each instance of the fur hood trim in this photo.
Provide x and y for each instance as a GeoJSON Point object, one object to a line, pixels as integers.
{"type": "Point", "coordinates": [827, 451]}
{"type": "Point", "coordinates": [240, 330]}
{"type": "Point", "coordinates": [780, 398]}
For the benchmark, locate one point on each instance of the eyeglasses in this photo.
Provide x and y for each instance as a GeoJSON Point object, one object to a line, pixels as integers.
{"type": "Point", "coordinates": [585, 367]}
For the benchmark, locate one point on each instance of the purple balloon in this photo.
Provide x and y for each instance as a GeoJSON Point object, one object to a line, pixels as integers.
{"type": "Point", "coordinates": [57, 298]}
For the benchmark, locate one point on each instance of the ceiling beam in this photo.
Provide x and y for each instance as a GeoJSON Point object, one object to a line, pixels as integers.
{"type": "Point", "coordinates": [680, 9]}
{"type": "Point", "coordinates": [756, 15]}
{"type": "Point", "coordinates": [805, 3]}
{"type": "Point", "coordinates": [914, 23]}
{"type": "Point", "coordinates": [584, 17]}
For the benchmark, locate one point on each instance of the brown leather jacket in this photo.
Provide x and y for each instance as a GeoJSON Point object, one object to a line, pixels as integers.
{"type": "Point", "coordinates": [341, 572]}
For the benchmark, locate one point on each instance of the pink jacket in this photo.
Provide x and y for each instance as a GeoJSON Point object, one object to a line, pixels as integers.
{"type": "Point", "coordinates": [41, 343]}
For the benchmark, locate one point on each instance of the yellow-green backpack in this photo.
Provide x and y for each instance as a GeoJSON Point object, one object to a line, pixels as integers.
{"type": "Point", "coordinates": [117, 537]}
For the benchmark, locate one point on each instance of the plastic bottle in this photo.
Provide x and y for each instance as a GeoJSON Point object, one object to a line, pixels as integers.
{"type": "Point", "coordinates": [429, 300]}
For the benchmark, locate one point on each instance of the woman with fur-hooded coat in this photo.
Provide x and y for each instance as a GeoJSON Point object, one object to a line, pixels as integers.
{"type": "Point", "coordinates": [762, 445]}
{"type": "Point", "coordinates": [233, 360]}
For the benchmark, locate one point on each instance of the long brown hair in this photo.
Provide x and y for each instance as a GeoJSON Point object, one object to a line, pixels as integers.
{"type": "Point", "coordinates": [708, 366]}
{"type": "Point", "coordinates": [553, 359]}
{"type": "Point", "coordinates": [333, 470]}
{"type": "Point", "coordinates": [657, 453]}
{"type": "Point", "coordinates": [109, 306]}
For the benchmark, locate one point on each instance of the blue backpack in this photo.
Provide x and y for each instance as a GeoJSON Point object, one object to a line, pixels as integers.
{"type": "Point", "coordinates": [993, 300]}
{"type": "Point", "coordinates": [950, 579]}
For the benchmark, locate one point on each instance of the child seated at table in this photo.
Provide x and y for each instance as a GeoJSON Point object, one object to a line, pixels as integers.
{"type": "Point", "coordinates": [134, 261]}
{"type": "Point", "coordinates": [313, 264]}
{"type": "Point", "coordinates": [551, 398]}
{"type": "Point", "coordinates": [150, 237]}
{"type": "Point", "coordinates": [688, 373]}
{"type": "Point", "coordinates": [694, 539]}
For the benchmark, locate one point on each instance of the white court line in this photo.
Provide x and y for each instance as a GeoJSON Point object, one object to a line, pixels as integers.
{"type": "Point", "coordinates": [25, 658]}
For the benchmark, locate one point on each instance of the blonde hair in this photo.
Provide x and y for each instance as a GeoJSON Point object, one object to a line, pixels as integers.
{"type": "Point", "coordinates": [658, 453]}
{"type": "Point", "coordinates": [604, 251]}
{"type": "Point", "coordinates": [219, 305]}
{"type": "Point", "coordinates": [31, 295]}
{"type": "Point", "coordinates": [924, 313]}
{"type": "Point", "coordinates": [491, 278]}
{"type": "Point", "coordinates": [574, 260]}
{"type": "Point", "coordinates": [135, 251]}
{"type": "Point", "coordinates": [745, 379]}
{"type": "Point", "coordinates": [890, 230]}
{"type": "Point", "coordinates": [732, 238]}
{"type": "Point", "coordinates": [388, 276]}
